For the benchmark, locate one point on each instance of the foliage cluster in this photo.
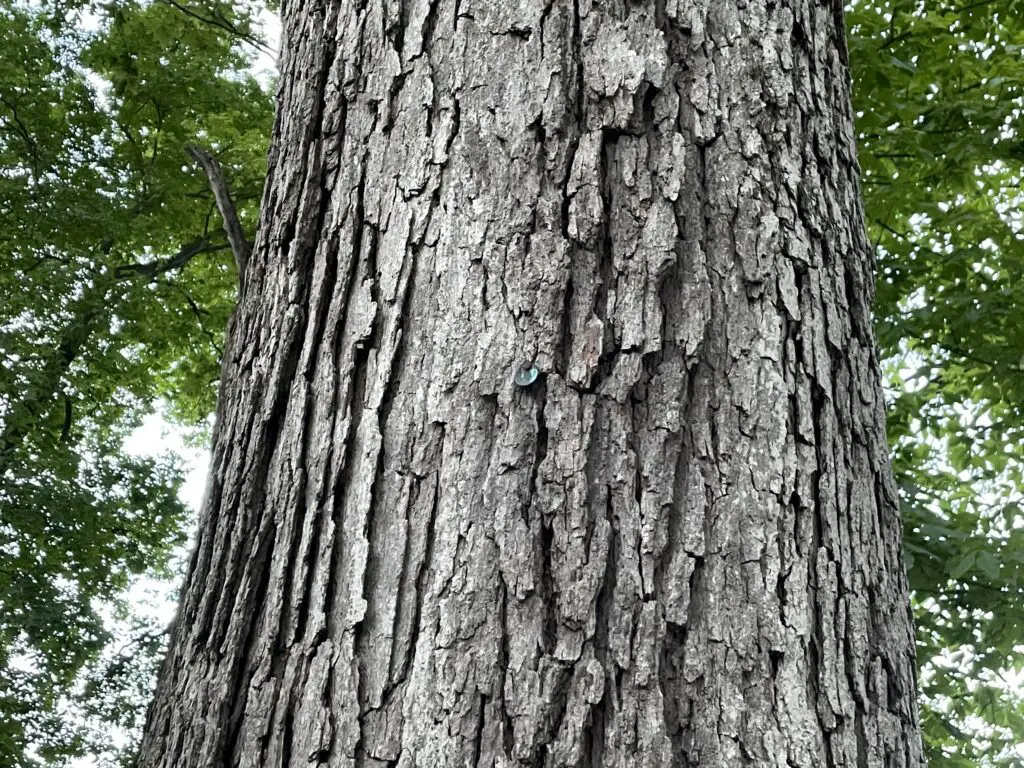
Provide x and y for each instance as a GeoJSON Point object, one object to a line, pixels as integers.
{"type": "Point", "coordinates": [938, 89]}
{"type": "Point", "coordinates": [117, 283]}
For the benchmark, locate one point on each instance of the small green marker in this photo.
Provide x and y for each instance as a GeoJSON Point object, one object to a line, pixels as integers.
{"type": "Point", "coordinates": [526, 375]}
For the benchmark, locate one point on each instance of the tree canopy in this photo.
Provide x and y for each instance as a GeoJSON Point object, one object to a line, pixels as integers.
{"type": "Point", "coordinates": [117, 281]}
{"type": "Point", "coordinates": [115, 285]}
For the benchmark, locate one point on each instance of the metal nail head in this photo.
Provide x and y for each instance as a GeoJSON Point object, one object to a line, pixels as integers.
{"type": "Point", "coordinates": [526, 375]}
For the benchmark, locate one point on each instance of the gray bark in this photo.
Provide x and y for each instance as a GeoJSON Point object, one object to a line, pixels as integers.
{"type": "Point", "coordinates": [680, 546]}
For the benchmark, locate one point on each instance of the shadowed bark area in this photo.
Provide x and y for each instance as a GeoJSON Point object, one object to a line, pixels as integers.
{"type": "Point", "coordinates": [680, 545]}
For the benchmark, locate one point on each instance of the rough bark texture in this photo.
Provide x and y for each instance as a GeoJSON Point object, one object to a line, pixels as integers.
{"type": "Point", "coordinates": [680, 546]}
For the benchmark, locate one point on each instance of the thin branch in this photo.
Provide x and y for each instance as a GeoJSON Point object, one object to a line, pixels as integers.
{"type": "Point", "coordinates": [198, 312]}
{"type": "Point", "coordinates": [240, 246]}
{"type": "Point", "coordinates": [905, 237]}
{"type": "Point", "coordinates": [20, 129]}
{"type": "Point", "coordinates": [153, 269]}
{"type": "Point", "coordinates": [76, 335]}
{"type": "Point", "coordinates": [967, 355]}
{"type": "Point", "coordinates": [65, 430]}
{"type": "Point", "coordinates": [222, 23]}
{"type": "Point", "coordinates": [911, 31]}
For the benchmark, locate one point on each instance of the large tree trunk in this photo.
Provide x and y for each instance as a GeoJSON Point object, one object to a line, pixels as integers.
{"type": "Point", "coordinates": [679, 546]}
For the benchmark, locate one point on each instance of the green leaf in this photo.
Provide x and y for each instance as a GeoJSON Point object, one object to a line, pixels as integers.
{"type": "Point", "coordinates": [962, 565]}
{"type": "Point", "coordinates": [904, 65]}
{"type": "Point", "coordinates": [989, 565]}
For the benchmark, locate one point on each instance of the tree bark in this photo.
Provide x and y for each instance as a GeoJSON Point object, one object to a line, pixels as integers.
{"type": "Point", "coordinates": [680, 545]}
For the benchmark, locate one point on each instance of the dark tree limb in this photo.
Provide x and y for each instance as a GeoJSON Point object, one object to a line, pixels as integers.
{"type": "Point", "coordinates": [240, 246]}
{"type": "Point", "coordinates": [154, 269]}
{"type": "Point", "coordinates": [65, 430]}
